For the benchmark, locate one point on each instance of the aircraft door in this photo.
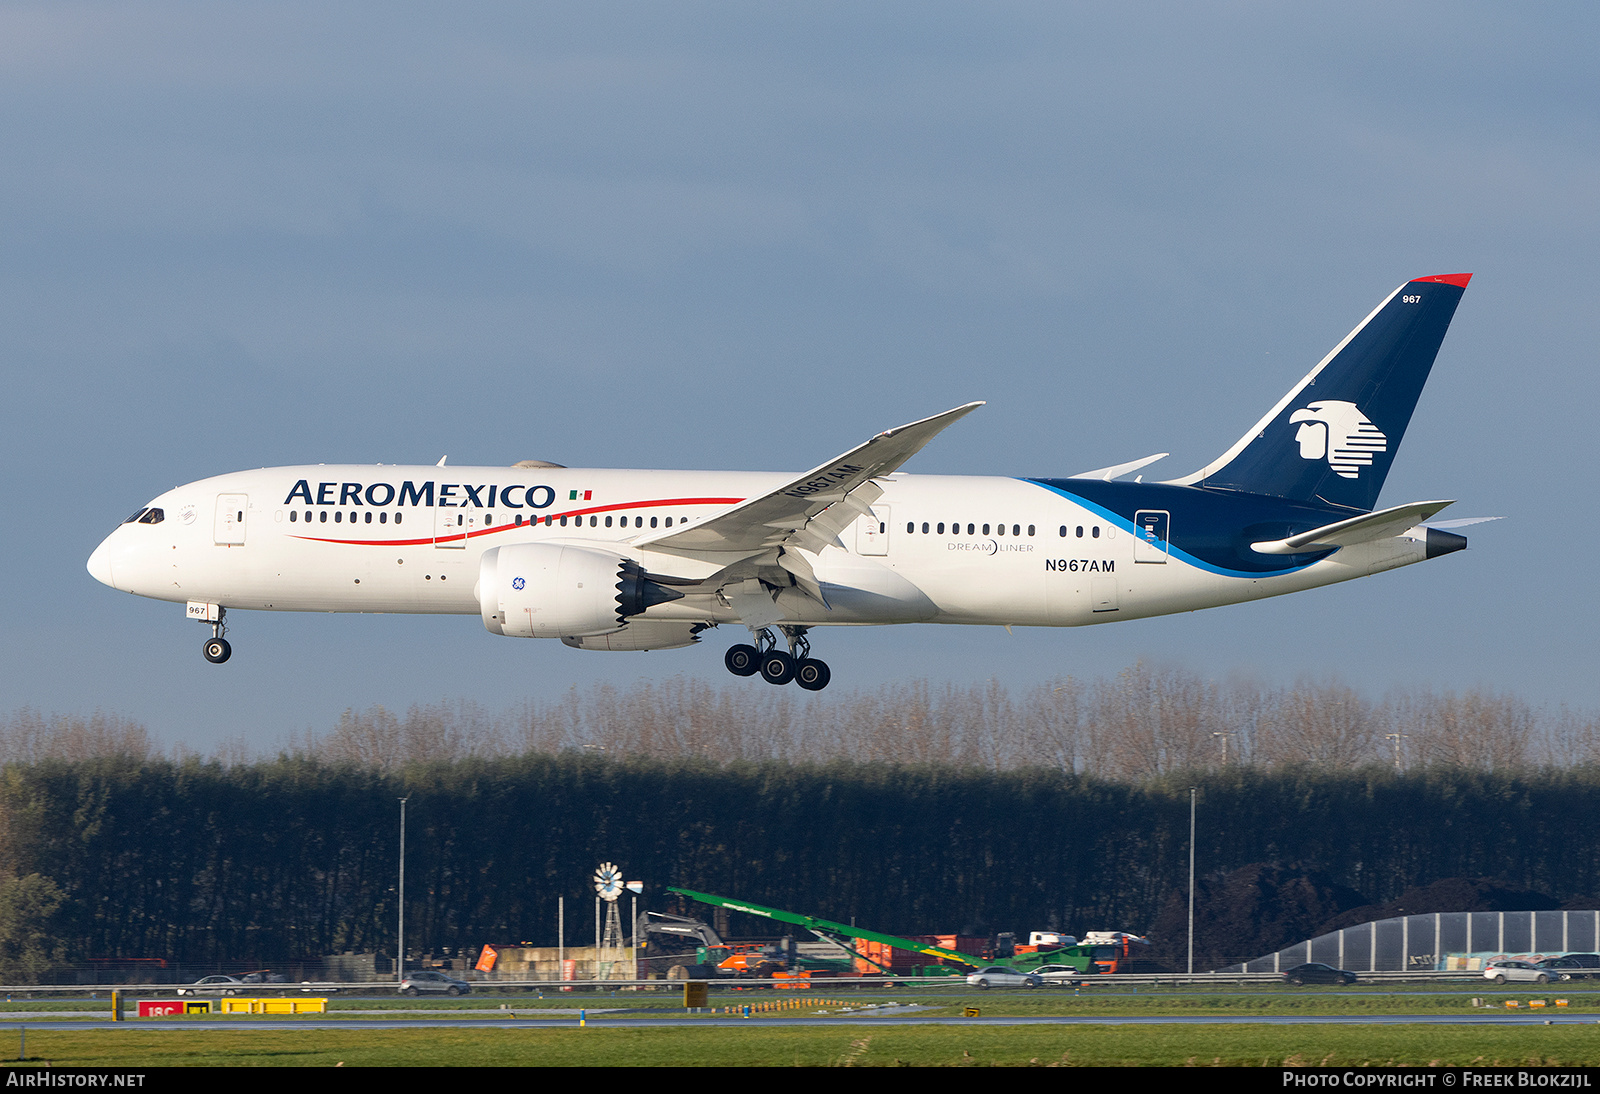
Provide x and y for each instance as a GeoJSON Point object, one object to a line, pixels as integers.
{"type": "Point", "coordinates": [449, 526]}
{"type": "Point", "coordinates": [1150, 526]}
{"type": "Point", "coordinates": [872, 532]}
{"type": "Point", "coordinates": [228, 530]}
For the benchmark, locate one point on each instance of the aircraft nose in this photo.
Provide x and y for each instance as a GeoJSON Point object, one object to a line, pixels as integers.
{"type": "Point", "coordinates": [100, 565]}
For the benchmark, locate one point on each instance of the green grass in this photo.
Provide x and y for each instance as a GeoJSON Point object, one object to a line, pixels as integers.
{"type": "Point", "coordinates": [1223, 1001]}
{"type": "Point", "coordinates": [229, 1041]}
{"type": "Point", "coordinates": [977, 1046]}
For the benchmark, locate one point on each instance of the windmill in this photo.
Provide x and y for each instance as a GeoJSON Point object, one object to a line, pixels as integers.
{"type": "Point", "coordinates": [608, 885]}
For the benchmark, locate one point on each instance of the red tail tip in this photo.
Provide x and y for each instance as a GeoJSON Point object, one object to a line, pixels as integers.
{"type": "Point", "coordinates": [1459, 280]}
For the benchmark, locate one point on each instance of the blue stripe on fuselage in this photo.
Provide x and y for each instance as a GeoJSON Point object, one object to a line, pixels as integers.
{"type": "Point", "coordinates": [1209, 529]}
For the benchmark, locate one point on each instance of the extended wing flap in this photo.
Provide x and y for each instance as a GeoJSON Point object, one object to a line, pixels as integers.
{"type": "Point", "coordinates": [1348, 533]}
{"type": "Point", "coordinates": [823, 497]}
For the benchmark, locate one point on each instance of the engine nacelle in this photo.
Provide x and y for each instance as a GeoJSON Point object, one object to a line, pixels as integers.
{"type": "Point", "coordinates": [550, 590]}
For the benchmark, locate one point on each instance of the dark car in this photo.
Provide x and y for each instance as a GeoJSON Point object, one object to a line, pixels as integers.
{"type": "Point", "coordinates": [1318, 973]}
{"type": "Point", "coordinates": [1574, 966]}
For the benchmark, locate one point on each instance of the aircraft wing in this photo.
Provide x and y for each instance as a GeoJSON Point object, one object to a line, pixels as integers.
{"type": "Point", "coordinates": [814, 508]}
{"type": "Point", "coordinates": [1347, 533]}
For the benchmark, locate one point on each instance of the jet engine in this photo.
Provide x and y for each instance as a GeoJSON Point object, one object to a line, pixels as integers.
{"type": "Point", "coordinates": [548, 590]}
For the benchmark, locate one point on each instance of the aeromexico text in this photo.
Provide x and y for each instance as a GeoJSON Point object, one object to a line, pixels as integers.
{"type": "Point", "coordinates": [411, 493]}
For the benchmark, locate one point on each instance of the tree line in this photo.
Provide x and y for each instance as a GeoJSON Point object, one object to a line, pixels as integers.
{"type": "Point", "coordinates": [1144, 722]}
{"type": "Point", "coordinates": [267, 862]}
{"type": "Point", "coordinates": [912, 809]}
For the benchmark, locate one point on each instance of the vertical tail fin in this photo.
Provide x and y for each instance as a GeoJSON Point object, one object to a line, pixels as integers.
{"type": "Point", "coordinates": [1333, 437]}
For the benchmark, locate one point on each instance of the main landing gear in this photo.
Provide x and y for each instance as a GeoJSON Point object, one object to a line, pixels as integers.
{"type": "Point", "coordinates": [217, 649]}
{"type": "Point", "coordinates": [775, 666]}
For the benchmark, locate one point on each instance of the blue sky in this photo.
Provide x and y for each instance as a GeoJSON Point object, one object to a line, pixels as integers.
{"type": "Point", "coordinates": [750, 236]}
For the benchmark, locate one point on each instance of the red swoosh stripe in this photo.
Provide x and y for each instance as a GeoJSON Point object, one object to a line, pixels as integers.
{"type": "Point", "coordinates": [517, 527]}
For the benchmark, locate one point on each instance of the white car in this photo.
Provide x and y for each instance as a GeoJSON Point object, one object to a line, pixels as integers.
{"type": "Point", "coordinates": [214, 985]}
{"type": "Point", "coordinates": [1502, 971]}
{"type": "Point", "coordinates": [998, 976]}
{"type": "Point", "coordinates": [1059, 976]}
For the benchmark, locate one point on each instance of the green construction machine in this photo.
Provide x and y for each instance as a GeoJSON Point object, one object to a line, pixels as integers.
{"type": "Point", "coordinates": [1101, 952]}
{"type": "Point", "coordinates": [843, 934]}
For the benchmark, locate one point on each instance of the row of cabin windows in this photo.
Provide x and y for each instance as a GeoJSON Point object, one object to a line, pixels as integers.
{"type": "Point", "coordinates": [488, 519]}
{"type": "Point", "coordinates": [338, 516]}
{"type": "Point", "coordinates": [972, 529]}
{"type": "Point", "coordinates": [999, 529]}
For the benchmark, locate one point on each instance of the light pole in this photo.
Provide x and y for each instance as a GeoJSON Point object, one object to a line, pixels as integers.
{"type": "Point", "coordinates": [1191, 880]}
{"type": "Point", "coordinates": [1224, 736]}
{"type": "Point", "coordinates": [400, 950]}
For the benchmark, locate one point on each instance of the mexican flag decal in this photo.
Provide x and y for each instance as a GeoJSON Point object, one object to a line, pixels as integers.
{"type": "Point", "coordinates": [572, 495]}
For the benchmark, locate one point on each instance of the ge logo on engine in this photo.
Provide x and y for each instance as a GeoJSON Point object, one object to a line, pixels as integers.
{"type": "Point", "coordinates": [518, 583]}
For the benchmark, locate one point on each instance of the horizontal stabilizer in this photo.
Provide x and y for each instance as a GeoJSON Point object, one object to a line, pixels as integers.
{"type": "Point", "coordinates": [1461, 522]}
{"type": "Point", "coordinates": [1347, 533]}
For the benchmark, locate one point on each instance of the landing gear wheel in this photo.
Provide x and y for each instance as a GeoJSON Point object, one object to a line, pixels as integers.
{"type": "Point", "coordinates": [217, 650]}
{"type": "Point", "coordinates": [811, 674]}
{"type": "Point", "coordinates": [777, 667]}
{"type": "Point", "coordinates": [742, 660]}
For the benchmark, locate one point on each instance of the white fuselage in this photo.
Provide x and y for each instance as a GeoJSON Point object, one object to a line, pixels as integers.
{"type": "Point", "coordinates": [936, 549]}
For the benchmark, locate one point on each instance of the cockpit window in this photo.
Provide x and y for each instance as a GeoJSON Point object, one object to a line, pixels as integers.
{"type": "Point", "coordinates": [152, 516]}
{"type": "Point", "coordinates": [136, 515]}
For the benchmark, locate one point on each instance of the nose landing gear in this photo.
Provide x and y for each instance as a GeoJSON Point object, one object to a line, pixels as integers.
{"type": "Point", "coordinates": [217, 650]}
{"type": "Point", "coordinates": [775, 666]}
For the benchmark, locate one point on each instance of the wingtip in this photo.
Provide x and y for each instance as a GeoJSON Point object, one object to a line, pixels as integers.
{"type": "Point", "coordinates": [1459, 280]}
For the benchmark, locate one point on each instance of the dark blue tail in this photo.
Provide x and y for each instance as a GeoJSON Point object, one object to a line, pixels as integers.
{"type": "Point", "coordinates": [1334, 436]}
